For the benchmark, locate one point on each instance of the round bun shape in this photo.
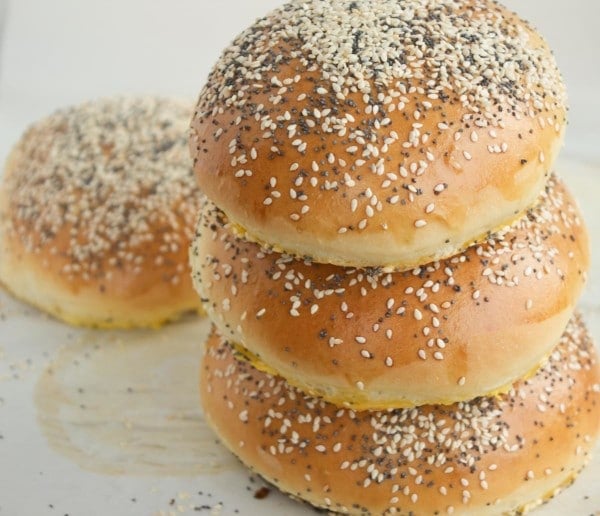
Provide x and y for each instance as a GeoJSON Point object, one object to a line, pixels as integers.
{"type": "Point", "coordinates": [379, 132]}
{"type": "Point", "coordinates": [444, 332]}
{"type": "Point", "coordinates": [97, 205]}
{"type": "Point", "coordinates": [487, 456]}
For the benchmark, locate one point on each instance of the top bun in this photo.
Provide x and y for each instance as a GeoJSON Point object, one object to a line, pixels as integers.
{"type": "Point", "coordinates": [379, 132]}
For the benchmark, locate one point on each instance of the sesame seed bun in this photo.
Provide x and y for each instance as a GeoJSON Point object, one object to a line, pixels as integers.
{"type": "Point", "coordinates": [97, 205]}
{"type": "Point", "coordinates": [369, 133]}
{"type": "Point", "coordinates": [444, 332]}
{"type": "Point", "coordinates": [487, 456]}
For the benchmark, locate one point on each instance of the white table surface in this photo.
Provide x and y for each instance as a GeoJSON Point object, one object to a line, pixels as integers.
{"type": "Point", "coordinates": [72, 443]}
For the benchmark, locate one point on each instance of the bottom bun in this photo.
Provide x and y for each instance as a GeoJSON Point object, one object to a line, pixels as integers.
{"type": "Point", "coordinates": [491, 455]}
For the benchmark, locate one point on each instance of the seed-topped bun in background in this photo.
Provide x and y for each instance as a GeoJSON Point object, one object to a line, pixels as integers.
{"type": "Point", "coordinates": [98, 204]}
{"type": "Point", "coordinates": [446, 331]}
{"type": "Point", "coordinates": [369, 133]}
{"type": "Point", "coordinates": [486, 456]}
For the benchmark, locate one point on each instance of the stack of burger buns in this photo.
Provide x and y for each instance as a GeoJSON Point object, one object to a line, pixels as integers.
{"type": "Point", "coordinates": [97, 208]}
{"type": "Point", "coordinates": [390, 263]}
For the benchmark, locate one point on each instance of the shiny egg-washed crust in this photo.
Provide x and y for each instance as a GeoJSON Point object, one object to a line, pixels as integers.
{"type": "Point", "coordinates": [97, 207]}
{"type": "Point", "coordinates": [444, 332]}
{"type": "Point", "coordinates": [492, 455]}
{"type": "Point", "coordinates": [379, 133]}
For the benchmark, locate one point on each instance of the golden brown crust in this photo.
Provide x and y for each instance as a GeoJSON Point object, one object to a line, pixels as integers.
{"type": "Point", "coordinates": [488, 456]}
{"type": "Point", "coordinates": [97, 204]}
{"type": "Point", "coordinates": [444, 332]}
{"type": "Point", "coordinates": [353, 161]}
